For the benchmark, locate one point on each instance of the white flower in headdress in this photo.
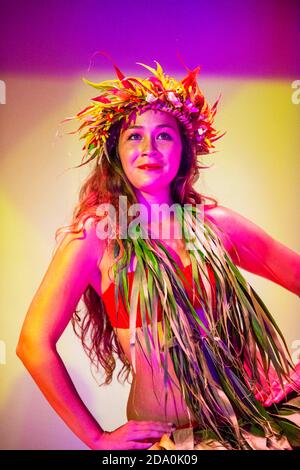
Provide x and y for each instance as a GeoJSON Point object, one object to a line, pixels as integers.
{"type": "Point", "coordinates": [174, 100]}
{"type": "Point", "coordinates": [200, 133]}
{"type": "Point", "coordinates": [150, 98]}
{"type": "Point", "coordinates": [191, 107]}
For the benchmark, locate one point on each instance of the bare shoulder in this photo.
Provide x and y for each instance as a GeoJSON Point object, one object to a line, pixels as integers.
{"type": "Point", "coordinates": [228, 223]}
{"type": "Point", "coordinates": [84, 242]}
{"type": "Point", "coordinates": [252, 248]}
{"type": "Point", "coordinates": [241, 237]}
{"type": "Point", "coordinates": [238, 227]}
{"type": "Point", "coordinates": [65, 280]}
{"type": "Point", "coordinates": [221, 215]}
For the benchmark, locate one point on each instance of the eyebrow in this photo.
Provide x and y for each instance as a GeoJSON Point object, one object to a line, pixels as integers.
{"type": "Point", "coordinates": [158, 126]}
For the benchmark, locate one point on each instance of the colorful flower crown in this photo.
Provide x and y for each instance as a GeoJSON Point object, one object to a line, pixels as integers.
{"type": "Point", "coordinates": [126, 96]}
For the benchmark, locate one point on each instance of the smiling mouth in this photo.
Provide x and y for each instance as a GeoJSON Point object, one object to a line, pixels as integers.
{"type": "Point", "coordinates": [150, 167]}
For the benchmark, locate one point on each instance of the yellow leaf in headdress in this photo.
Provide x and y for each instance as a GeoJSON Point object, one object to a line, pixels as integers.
{"type": "Point", "coordinates": [159, 68]}
{"type": "Point", "coordinates": [107, 84]}
{"type": "Point", "coordinates": [151, 69]}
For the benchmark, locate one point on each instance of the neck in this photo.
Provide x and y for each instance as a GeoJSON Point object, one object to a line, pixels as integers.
{"type": "Point", "coordinates": [163, 199]}
{"type": "Point", "coordinates": [156, 210]}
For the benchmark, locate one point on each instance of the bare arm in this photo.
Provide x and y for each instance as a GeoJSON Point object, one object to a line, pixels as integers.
{"type": "Point", "coordinates": [48, 315]}
{"type": "Point", "coordinates": [256, 251]}
{"type": "Point", "coordinates": [67, 277]}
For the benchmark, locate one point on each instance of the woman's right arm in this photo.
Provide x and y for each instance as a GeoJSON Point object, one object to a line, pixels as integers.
{"type": "Point", "coordinates": [51, 309]}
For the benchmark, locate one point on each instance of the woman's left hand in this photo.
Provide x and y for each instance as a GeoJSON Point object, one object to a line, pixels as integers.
{"type": "Point", "coordinates": [275, 393]}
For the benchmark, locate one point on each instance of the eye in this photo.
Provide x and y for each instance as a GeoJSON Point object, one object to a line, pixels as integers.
{"type": "Point", "coordinates": [165, 136]}
{"type": "Point", "coordinates": [160, 136]}
{"type": "Point", "coordinates": [133, 136]}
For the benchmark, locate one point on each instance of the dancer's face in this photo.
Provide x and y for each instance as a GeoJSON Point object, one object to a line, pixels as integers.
{"type": "Point", "coordinates": [154, 138]}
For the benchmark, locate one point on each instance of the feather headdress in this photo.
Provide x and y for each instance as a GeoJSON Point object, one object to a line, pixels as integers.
{"type": "Point", "coordinates": [124, 97]}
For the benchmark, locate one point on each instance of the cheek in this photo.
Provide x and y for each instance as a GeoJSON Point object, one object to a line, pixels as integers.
{"type": "Point", "coordinates": [174, 162]}
{"type": "Point", "coordinates": [126, 161]}
{"type": "Point", "coordinates": [130, 170]}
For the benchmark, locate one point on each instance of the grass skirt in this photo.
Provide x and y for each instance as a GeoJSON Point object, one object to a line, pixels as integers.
{"type": "Point", "coordinates": [189, 438]}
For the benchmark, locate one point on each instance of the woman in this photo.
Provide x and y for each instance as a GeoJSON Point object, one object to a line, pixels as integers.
{"type": "Point", "coordinates": [209, 366]}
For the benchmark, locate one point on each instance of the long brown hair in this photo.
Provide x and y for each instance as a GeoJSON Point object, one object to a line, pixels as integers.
{"type": "Point", "coordinates": [106, 182]}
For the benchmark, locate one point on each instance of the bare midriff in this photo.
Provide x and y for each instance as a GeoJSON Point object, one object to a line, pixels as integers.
{"type": "Point", "coordinates": [146, 399]}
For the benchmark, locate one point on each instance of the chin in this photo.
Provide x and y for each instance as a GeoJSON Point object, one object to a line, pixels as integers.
{"type": "Point", "coordinates": [152, 188]}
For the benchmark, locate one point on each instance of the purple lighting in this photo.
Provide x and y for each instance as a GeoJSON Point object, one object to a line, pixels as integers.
{"type": "Point", "coordinates": [233, 38]}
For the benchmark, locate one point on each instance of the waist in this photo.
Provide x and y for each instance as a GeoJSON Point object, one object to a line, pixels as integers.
{"type": "Point", "coordinates": [152, 406]}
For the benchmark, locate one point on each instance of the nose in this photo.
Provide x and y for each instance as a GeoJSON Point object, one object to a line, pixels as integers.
{"type": "Point", "coordinates": [148, 146]}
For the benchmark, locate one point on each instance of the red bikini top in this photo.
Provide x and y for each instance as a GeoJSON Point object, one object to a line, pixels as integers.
{"type": "Point", "coordinates": [120, 319]}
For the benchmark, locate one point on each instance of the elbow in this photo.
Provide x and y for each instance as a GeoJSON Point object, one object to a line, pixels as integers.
{"type": "Point", "coordinates": [20, 348]}
{"type": "Point", "coordinates": [31, 351]}
{"type": "Point", "coordinates": [24, 351]}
